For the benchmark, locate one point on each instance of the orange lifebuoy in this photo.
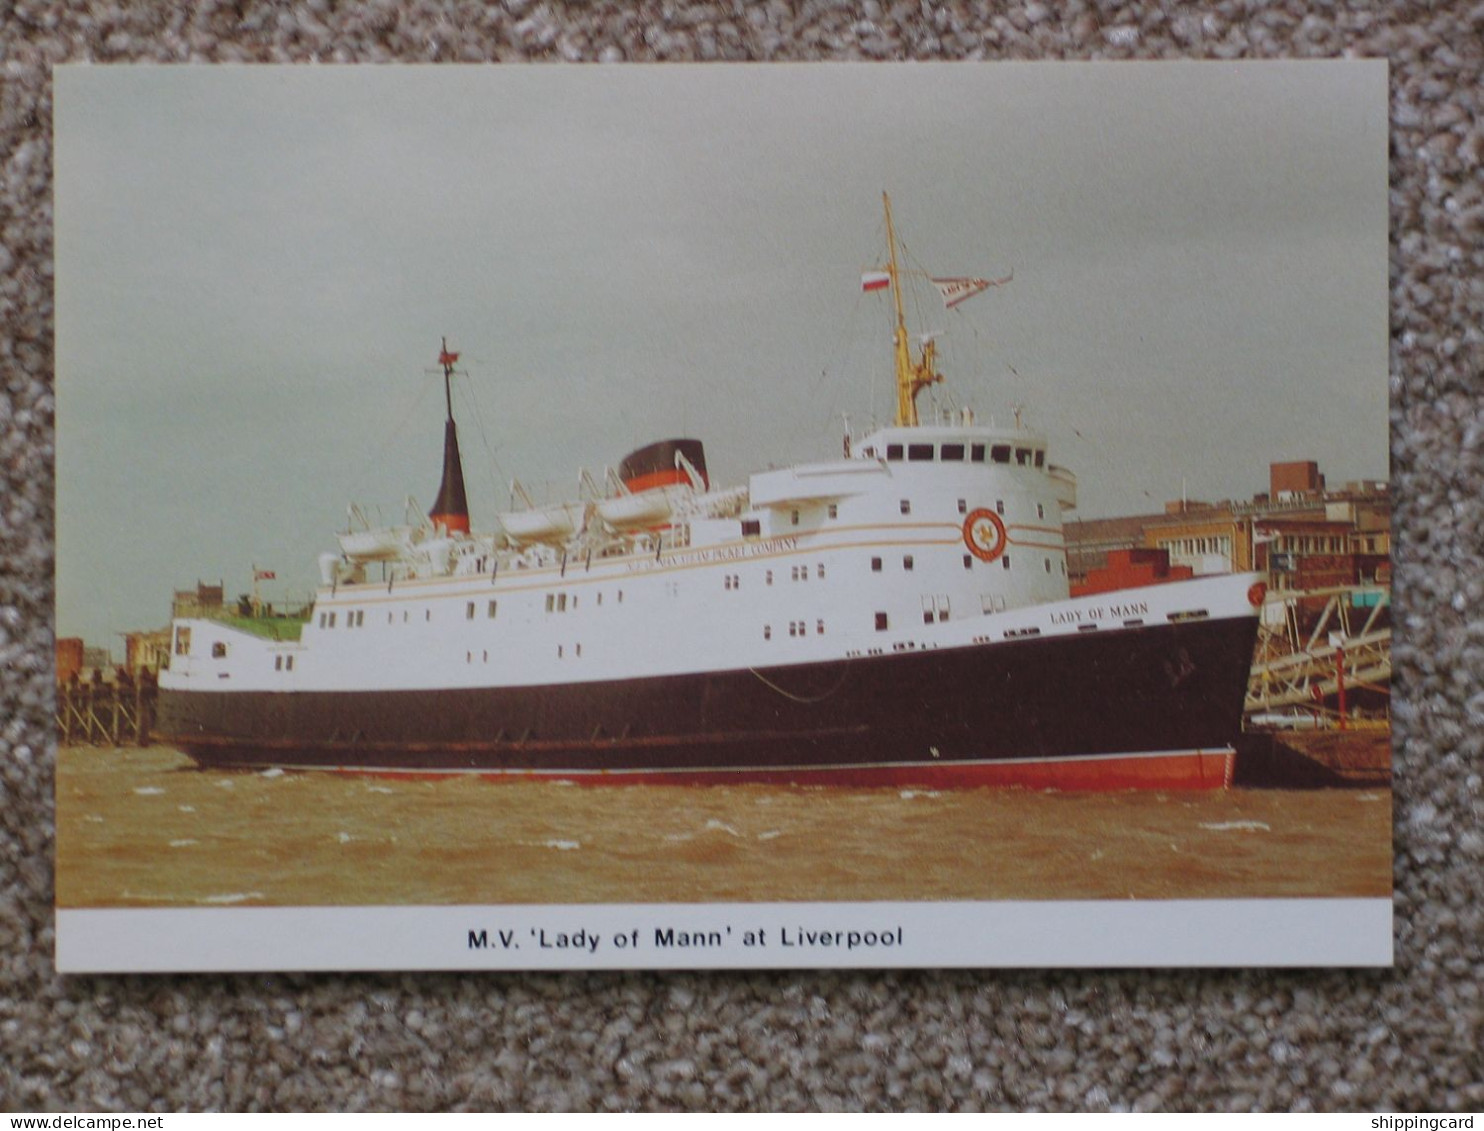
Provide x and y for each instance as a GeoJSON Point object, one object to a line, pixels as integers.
{"type": "Point", "coordinates": [984, 534]}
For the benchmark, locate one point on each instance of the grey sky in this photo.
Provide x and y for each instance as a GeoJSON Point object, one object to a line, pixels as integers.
{"type": "Point", "coordinates": [255, 266]}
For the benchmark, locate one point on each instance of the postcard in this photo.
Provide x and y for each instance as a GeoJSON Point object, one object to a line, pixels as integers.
{"type": "Point", "coordinates": [722, 516]}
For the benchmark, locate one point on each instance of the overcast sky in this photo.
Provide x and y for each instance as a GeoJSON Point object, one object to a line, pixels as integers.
{"type": "Point", "coordinates": [255, 267]}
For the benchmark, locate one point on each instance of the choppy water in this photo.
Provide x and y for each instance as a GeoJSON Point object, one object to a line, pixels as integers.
{"type": "Point", "coordinates": [145, 828]}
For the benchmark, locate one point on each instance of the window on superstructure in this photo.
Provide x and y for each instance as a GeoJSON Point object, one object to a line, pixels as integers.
{"type": "Point", "coordinates": [768, 577]}
{"type": "Point", "coordinates": [818, 571]}
{"type": "Point", "coordinates": [332, 620]}
{"type": "Point", "coordinates": [494, 607]}
{"type": "Point", "coordinates": [561, 602]}
{"type": "Point", "coordinates": [819, 627]}
{"type": "Point", "coordinates": [907, 562]}
{"type": "Point", "coordinates": [551, 602]}
{"type": "Point", "coordinates": [469, 610]}
{"type": "Point", "coordinates": [278, 663]}
{"type": "Point", "coordinates": [875, 565]}
{"type": "Point", "coordinates": [880, 622]}
{"type": "Point", "coordinates": [976, 453]}
{"type": "Point", "coordinates": [1048, 565]}
{"type": "Point", "coordinates": [1040, 458]}
{"type": "Point", "coordinates": [952, 453]}
{"type": "Point", "coordinates": [999, 506]}
{"type": "Point", "coordinates": [963, 506]}
{"type": "Point", "coordinates": [968, 561]}
{"type": "Point", "coordinates": [1000, 453]}
{"type": "Point", "coordinates": [322, 619]}
{"type": "Point", "coordinates": [1005, 562]}
{"type": "Point", "coordinates": [289, 664]}
{"type": "Point", "coordinates": [893, 451]}
{"type": "Point", "coordinates": [1040, 510]}
{"type": "Point", "coordinates": [427, 614]}
{"type": "Point", "coordinates": [360, 617]}
{"type": "Point", "coordinates": [1022, 456]}
{"type": "Point", "coordinates": [906, 506]}
{"type": "Point", "coordinates": [793, 518]}
{"type": "Point", "coordinates": [767, 632]}
{"type": "Point", "coordinates": [752, 528]}
{"type": "Point", "coordinates": [919, 453]}
{"type": "Point", "coordinates": [943, 607]}
{"type": "Point", "coordinates": [834, 510]}
{"type": "Point", "coordinates": [218, 650]}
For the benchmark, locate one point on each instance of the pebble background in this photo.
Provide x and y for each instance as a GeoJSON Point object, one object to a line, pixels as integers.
{"type": "Point", "coordinates": [1404, 1039]}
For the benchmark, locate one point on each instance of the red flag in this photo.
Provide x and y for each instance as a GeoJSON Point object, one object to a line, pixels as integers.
{"type": "Point", "coordinates": [875, 281]}
{"type": "Point", "coordinates": [264, 575]}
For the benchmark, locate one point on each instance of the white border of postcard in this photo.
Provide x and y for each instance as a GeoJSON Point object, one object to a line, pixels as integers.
{"type": "Point", "coordinates": [1189, 933]}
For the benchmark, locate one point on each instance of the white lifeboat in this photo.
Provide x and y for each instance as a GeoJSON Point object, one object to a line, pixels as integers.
{"type": "Point", "coordinates": [553, 524]}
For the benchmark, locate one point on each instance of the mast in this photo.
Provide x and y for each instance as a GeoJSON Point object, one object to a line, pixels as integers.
{"type": "Point", "coordinates": [912, 376]}
{"type": "Point", "coordinates": [451, 507]}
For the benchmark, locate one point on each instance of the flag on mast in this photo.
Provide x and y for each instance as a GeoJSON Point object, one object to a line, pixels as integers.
{"type": "Point", "coordinates": [958, 289]}
{"type": "Point", "coordinates": [875, 281]}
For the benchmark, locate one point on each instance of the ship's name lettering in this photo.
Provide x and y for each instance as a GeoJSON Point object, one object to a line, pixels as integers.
{"type": "Point", "coordinates": [1123, 611]}
{"type": "Point", "coordinates": [717, 554]}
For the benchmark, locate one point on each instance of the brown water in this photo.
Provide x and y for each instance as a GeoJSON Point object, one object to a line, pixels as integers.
{"type": "Point", "coordinates": [145, 828]}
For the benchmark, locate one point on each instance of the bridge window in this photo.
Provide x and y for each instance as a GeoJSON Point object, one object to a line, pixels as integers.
{"type": "Point", "coordinates": [953, 453]}
{"type": "Point", "coordinates": [976, 453]}
{"type": "Point", "coordinates": [894, 451]}
{"type": "Point", "coordinates": [1022, 456]}
{"type": "Point", "coordinates": [1000, 453]}
{"type": "Point", "coordinates": [919, 452]}
{"type": "Point", "coordinates": [1040, 459]}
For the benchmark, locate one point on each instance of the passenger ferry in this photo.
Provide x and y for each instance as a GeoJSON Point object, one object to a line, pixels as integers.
{"type": "Point", "coordinates": [898, 616]}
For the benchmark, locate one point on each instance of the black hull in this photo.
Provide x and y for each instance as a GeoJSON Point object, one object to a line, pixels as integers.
{"type": "Point", "coordinates": [1086, 697]}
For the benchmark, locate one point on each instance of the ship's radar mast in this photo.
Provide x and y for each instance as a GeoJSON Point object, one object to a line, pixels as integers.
{"type": "Point", "coordinates": [912, 376]}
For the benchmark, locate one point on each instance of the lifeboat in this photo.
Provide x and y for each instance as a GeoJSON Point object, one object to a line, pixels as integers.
{"type": "Point", "coordinates": [554, 524]}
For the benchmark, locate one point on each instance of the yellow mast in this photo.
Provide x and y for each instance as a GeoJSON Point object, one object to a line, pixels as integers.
{"type": "Point", "coordinates": [912, 377]}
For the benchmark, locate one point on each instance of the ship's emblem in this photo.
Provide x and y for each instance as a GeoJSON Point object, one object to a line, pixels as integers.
{"type": "Point", "coordinates": [984, 534]}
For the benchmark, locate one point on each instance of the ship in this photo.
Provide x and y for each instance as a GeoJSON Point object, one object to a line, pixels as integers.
{"type": "Point", "coordinates": [896, 616]}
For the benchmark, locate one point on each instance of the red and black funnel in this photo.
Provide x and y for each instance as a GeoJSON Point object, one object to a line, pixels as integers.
{"type": "Point", "coordinates": [451, 507]}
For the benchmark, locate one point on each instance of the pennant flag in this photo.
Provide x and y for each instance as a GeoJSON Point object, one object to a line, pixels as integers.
{"type": "Point", "coordinates": [956, 290]}
{"type": "Point", "coordinates": [447, 358]}
{"type": "Point", "coordinates": [264, 575]}
{"type": "Point", "coordinates": [875, 281]}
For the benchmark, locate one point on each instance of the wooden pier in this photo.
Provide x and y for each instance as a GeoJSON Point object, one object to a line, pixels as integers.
{"type": "Point", "coordinates": [99, 713]}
